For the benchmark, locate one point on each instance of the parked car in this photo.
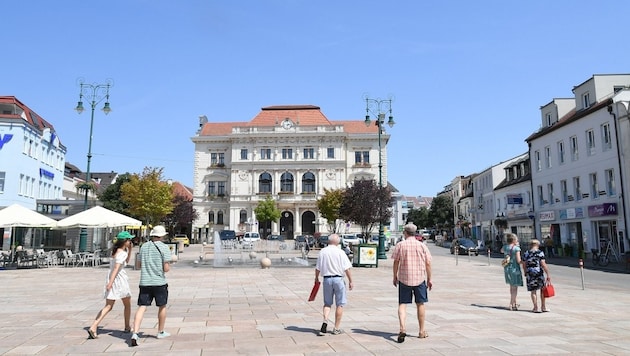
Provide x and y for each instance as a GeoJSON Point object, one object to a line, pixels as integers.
{"type": "Point", "coordinates": [275, 237]}
{"type": "Point", "coordinates": [251, 237]}
{"type": "Point", "coordinates": [374, 241]}
{"type": "Point", "coordinates": [227, 235]}
{"type": "Point", "coordinates": [351, 239]}
{"type": "Point", "coordinates": [181, 237]}
{"type": "Point", "coordinates": [464, 247]}
{"type": "Point", "coordinates": [323, 241]}
{"type": "Point", "coordinates": [302, 240]}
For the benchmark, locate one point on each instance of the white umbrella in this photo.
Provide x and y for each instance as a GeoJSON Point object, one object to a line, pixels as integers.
{"type": "Point", "coordinates": [18, 216]}
{"type": "Point", "coordinates": [98, 217]}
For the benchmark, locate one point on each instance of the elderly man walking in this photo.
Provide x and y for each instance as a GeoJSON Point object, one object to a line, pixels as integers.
{"type": "Point", "coordinates": [412, 276]}
{"type": "Point", "coordinates": [333, 264]}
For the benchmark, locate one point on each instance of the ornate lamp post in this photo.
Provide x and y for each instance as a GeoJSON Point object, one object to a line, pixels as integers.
{"type": "Point", "coordinates": [95, 93]}
{"type": "Point", "coordinates": [378, 108]}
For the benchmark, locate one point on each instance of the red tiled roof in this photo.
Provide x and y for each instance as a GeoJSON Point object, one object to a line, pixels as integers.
{"type": "Point", "coordinates": [30, 116]}
{"type": "Point", "coordinates": [183, 191]}
{"type": "Point", "coordinates": [304, 115]}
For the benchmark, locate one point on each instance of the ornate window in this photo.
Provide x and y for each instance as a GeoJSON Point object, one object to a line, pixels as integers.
{"type": "Point", "coordinates": [264, 183]}
{"type": "Point", "coordinates": [308, 183]}
{"type": "Point", "coordinates": [243, 216]}
{"type": "Point", "coordinates": [286, 182]}
{"type": "Point", "coordinates": [219, 217]}
{"type": "Point", "coordinates": [211, 217]}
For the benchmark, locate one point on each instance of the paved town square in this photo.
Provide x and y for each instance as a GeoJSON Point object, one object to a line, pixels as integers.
{"type": "Point", "coordinates": [253, 311]}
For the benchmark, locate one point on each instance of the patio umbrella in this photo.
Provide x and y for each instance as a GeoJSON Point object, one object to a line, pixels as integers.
{"type": "Point", "coordinates": [97, 217]}
{"type": "Point", "coordinates": [18, 216]}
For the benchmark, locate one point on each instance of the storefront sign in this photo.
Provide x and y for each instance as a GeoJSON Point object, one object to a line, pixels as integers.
{"type": "Point", "coordinates": [573, 213]}
{"type": "Point", "coordinates": [514, 199]}
{"type": "Point", "coordinates": [602, 209]}
{"type": "Point", "coordinates": [4, 139]}
{"type": "Point", "coordinates": [547, 216]}
{"type": "Point", "coordinates": [45, 173]}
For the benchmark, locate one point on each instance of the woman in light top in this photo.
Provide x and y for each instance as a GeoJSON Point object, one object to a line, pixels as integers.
{"type": "Point", "coordinates": [512, 272]}
{"type": "Point", "coordinates": [117, 286]}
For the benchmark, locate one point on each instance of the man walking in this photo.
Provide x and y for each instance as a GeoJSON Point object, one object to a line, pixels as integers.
{"type": "Point", "coordinates": [333, 264]}
{"type": "Point", "coordinates": [154, 263]}
{"type": "Point", "coordinates": [412, 276]}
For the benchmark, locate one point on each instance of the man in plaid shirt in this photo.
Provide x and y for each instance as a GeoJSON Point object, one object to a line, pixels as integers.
{"type": "Point", "coordinates": [412, 276]}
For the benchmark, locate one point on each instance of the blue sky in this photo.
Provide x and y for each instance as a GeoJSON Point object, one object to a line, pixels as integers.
{"type": "Point", "coordinates": [468, 77]}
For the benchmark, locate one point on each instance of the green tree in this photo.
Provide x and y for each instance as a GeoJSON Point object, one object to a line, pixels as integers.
{"type": "Point", "coordinates": [420, 217]}
{"type": "Point", "coordinates": [442, 212]}
{"type": "Point", "coordinates": [366, 204]}
{"type": "Point", "coordinates": [267, 211]}
{"type": "Point", "coordinates": [149, 197]}
{"type": "Point", "coordinates": [329, 205]}
{"type": "Point", "coordinates": [112, 195]}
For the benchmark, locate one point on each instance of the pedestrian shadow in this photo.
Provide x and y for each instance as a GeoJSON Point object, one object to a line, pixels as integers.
{"type": "Point", "coordinates": [384, 334]}
{"type": "Point", "coordinates": [302, 330]}
{"type": "Point", "coordinates": [490, 306]}
{"type": "Point", "coordinates": [111, 332]}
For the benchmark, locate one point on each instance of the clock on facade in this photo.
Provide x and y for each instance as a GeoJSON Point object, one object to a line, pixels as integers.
{"type": "Point", "coordinates": [287, 124]}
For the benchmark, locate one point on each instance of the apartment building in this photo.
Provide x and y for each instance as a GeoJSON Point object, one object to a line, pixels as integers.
{"type": "Point", "coordinates": [576, 167]}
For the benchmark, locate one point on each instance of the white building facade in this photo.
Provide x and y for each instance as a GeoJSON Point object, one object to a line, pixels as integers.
{"type": "Point", "coordinates": [291, 153]}
{"type": "Point", "coordinates": [31, 155]}
{"type": "Point", "coordinates": [577, 169]}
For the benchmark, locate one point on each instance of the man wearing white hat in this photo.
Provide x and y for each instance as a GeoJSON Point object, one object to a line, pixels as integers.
{"type": "Point", "coordinates": [154, 263]}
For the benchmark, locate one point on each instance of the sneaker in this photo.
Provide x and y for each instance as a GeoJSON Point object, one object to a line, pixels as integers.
{"type": "Point", "coordinates": [337, 331]}
{"type": "Point", "coordinates": [163, 334]}
{"type": "Point", "coordinates": [134, 339]}
{"type": "Point", "coordinates": [322, 330]}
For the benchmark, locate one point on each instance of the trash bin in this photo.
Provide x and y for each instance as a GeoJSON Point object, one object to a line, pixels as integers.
{"type": "Point", "coordinates": [365, 255]}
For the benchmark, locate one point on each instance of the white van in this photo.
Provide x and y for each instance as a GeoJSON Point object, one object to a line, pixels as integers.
{"type": "Point", "coordinates": [251, 237]}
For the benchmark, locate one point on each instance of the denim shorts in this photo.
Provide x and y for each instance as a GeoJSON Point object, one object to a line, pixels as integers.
{"type": "Point", "coordinates": [419, 292]}
{"type": "Point", "coordinates": [334, 288]}
{"type": "Point", "coordinates": [148, 293]}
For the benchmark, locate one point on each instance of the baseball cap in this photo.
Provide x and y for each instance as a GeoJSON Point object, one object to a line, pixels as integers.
{"type": "Point", "coordinates": [124, 235]}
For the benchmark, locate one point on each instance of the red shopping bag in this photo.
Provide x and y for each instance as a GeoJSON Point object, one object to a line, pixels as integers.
{"type": "Point", "coordinates": [314, 291]}
{"type": "Point", "coordinates": [548, 290]}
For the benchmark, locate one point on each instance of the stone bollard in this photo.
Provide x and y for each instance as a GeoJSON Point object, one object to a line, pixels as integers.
{"type": "Point", "coordinates": [265, 263]}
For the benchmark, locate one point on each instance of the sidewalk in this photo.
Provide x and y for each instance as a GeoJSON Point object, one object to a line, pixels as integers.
{"type": "Point", "coordinates": [253, 311]}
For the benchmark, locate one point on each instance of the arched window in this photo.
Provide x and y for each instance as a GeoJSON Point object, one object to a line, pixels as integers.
{"type": "Point", "coordinates": [243, 216]}
{"type": "Point", "coordinates": [264, 183]}
{"type": "Point", "coordinates": [219, 217]}
{"type": "Point", "coordinates": [308, 183]}
{"type": "Point", "coordinates": [211, 217]}
{"type": "Point", "coordinates": [286, 182]}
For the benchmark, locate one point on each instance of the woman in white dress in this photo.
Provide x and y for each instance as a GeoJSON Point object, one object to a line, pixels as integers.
{"type": "Point", "coordinates": [117, 286]}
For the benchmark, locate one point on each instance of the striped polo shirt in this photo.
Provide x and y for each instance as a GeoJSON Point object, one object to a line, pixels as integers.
{"type": "Point", "coordinates": [152, 270]}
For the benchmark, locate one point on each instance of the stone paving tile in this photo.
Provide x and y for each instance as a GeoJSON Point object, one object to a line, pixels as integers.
{"type": "Point", "coordinates": [251, 311]}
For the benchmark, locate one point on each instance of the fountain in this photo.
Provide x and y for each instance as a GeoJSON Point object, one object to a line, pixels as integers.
{"type": "Point", "coordinates": [231, 253]}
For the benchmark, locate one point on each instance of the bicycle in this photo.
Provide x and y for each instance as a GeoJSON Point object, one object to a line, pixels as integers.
{"type": "Point", "coordinates": [603, 259]}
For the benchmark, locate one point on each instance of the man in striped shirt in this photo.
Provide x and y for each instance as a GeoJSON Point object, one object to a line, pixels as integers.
{"type": "Point", "coordinates": [155, 258]}
{"type": "Point", "coordinates": [412, 276]}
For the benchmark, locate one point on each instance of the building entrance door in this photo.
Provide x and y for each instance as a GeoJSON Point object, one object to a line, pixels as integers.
{"type": "Point", "coordinates": [286, 225]}
{"type": "Point", "coordinates": [308, 223]}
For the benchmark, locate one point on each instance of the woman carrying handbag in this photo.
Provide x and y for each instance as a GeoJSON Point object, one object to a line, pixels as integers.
{"type": "Point", "coordinates": [537, 274]}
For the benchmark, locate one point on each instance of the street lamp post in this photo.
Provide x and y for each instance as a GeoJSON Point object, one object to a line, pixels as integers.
{"type": "Point", "coordinates": [94, 93]}
{"type": "Point", "coordinates": [378, 108]}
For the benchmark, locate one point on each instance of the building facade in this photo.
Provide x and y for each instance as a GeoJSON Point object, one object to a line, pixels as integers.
{"type": "Point", "coordinates": [291, 153]}
{"type": "Point", "coordinates": [35, 153]}
{"type": "Point", "coordinates": [577, 169]}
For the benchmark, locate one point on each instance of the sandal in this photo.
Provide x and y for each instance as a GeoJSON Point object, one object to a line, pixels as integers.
{"type": "Point", "coordinates": [401, 337]}
{"type": "Point", "coordinates": [91, 334]}
{"type": "Point", "coordinates": [423, 335]}
{"type": "Point", "coordinates": [546, 310]}
{"type": "Point", "coordinates": [127, 330]}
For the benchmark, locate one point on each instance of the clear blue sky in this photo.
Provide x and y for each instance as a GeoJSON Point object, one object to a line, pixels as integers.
{"type": "Point", "coordinates": [468, 77]}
